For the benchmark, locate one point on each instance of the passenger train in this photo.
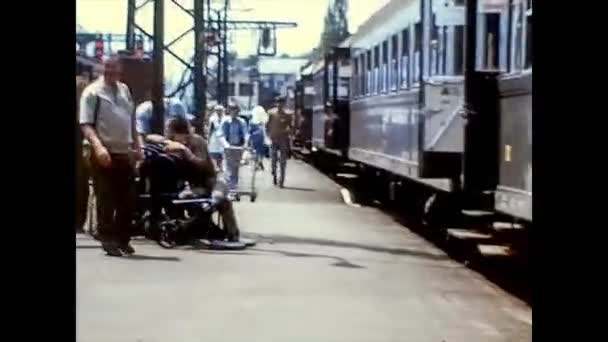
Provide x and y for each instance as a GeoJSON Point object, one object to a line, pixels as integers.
{"type": "Point", "coordinates": [431, 97]}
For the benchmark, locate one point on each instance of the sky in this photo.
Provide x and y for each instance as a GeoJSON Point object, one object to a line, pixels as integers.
{"type": "Point", "coordinates": [111, 15]}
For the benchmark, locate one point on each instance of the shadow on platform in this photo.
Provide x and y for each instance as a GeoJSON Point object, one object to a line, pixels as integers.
{"type": "Point", "coordinates": [332, 243]}
{"type": "Point", "coordinates": [295, 188]}
{"type": "Point", "coordinates": [137, 257]}
{"type": "Point", "coordinates": [152, 258]}
{"type": "Point", "coordinates": [340, 262]}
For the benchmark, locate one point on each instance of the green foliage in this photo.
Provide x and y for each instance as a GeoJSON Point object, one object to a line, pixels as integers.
{"type": "Point", "coordinates": [335, 26]}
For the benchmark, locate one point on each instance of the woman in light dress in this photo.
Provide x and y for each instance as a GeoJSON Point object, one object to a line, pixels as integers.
{"type": "Point", "coordinates": [258, 136]}
{"type": "Point", "coordinates": [215, 145]}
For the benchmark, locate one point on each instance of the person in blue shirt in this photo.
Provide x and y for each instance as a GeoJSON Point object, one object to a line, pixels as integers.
{"type": "Point", "coordinates": [173, 108]}
{"type": "Point", "coordinates": [235, 137]}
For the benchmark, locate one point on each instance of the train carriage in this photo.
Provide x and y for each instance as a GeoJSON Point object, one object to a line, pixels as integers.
{"type": "Point", "coordinates": [397, 125]}
{"type": "Point", "coordinates": [331, 111]}
{"type": "Point", "coordinates": [436, 110]}
{"type": "Point", "coordinates": [304, 106]}
{"type": "Point", "coordinates": [513, 195]}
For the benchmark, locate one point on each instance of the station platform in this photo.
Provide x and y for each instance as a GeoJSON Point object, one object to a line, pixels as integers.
{"type": "Point", "coordinates": [321, 271]}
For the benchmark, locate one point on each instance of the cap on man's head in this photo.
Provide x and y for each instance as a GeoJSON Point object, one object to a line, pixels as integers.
{"type": "Point", "coordinates": [327, 104]}
{"type": "Point", "coordinates": [219, 108]}
{"type": "Point", "coordinates": [280, 99]}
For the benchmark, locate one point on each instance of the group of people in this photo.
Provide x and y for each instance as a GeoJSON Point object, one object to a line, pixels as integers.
{"type": "Point", "coordinates": [264, 132]}
{"type": "Point", "coordinates": [114, 134]}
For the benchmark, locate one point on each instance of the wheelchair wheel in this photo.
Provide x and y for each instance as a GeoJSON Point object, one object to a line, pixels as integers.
{"type": "Point", "coordinates": [167, 235]}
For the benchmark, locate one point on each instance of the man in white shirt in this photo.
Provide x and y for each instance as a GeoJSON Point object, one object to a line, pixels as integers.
{"type": "Point", "coordinates": [107, 121]}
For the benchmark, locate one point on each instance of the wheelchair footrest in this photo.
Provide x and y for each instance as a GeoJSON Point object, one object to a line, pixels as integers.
{"type": "Point", "coordinates": [193, 201]}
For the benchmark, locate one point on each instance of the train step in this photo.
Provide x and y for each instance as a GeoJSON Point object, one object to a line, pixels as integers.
{"type": "Point", "coordinates": [477, 213]}
{"type": "Point", "coordinates": [467, 234]}
{"type": "Point", "coordinates": [478, 219]}
{"type": "Point", "coordinates": [495, 251]}
{"type": "Point", "coordinates": [506, 226]}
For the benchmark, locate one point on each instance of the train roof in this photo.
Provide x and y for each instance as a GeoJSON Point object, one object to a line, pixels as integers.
{"type": "Point", "coordinates": [388, 20]}
{"type": "Point", "coordinates": [318, 65]}
{"type": "Point", "coordinates": [346, 42]}
{"type": "Point", "coordinates": [307, 69]}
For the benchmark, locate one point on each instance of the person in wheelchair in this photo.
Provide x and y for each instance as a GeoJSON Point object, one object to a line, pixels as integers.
{"type": "Point", "coordinates": [188, 158]}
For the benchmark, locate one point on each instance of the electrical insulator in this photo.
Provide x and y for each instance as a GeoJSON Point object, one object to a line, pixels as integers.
{"type": "Point", "coordinates": [99, 48]}
{"type": "Point", "coordinates": [265, 38]}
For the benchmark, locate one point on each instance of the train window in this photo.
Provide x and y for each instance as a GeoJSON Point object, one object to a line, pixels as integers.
{"type": "Point", "coordinates": [376, 76]}
{"type": "Point", "coordinates": [369, 78]}
{"type": "Point", "coordinates": [230, 89]}
{"type": "Point", "coordinates": [405, 53]}
{"type": "Point", "coordinates": [355, 78]}
{"type": "Point", "coordinates": [528, 37]}
{"type": "Point", "coordinates": [417, 53]}
{"type": "Point", "coordinates": [458, 50]}
{"type": "Point", "coordinates": [344, 76]}
{"type": "Point", "coordinates": [394, 74]}
{"type": "Point", "coordinates": [516, 36]}
{"type": "Point", "coordinates": [490, 42]}
{"type": "Point", "coordinates": [330, 80]}
{"type": "Point", "coordinates": [435, 46]}
{"type": "Point", "coordinates": [361, 78]}
{"type": "Point", "coordinates": [493, 30]}
{"type": "Point", "coordinates": [384, 68]}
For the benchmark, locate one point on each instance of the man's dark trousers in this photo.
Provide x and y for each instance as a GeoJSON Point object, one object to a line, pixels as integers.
{"type": "Point", "coordinates": [279, 152]}
{"type": "Point", "coordinates": [82, 189]}
{"type": "Point", "coordinates": [116, 195]}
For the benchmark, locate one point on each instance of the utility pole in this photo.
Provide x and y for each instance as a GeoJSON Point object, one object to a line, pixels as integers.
{"type": "Point", "coordinates": [206, 20]}
{"type": "Point", "coordinates": [225, 56]}
{"type": "Point", "coordinates": [220, 71]}
{"type": "Point", "coordinates": [131, 7]}
{"type": "Point", "coordinates": [200, 76]}
{"type": "Point", "coordinates": [158, 66]}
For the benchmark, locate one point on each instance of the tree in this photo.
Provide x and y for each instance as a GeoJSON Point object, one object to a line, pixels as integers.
{"type": "Point", "coordinates": [335, 26]}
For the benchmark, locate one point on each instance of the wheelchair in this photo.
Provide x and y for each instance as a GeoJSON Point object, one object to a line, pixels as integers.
{"type": "Point", "coordinates": [171, 213]}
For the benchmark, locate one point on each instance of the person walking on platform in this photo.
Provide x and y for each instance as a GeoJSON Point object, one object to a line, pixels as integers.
{"type": "Point", "coordinates": [107, 121]}
{"type": "Point", "coordinates": [235, 138]}
{"type": "Point", "coordinates": [279, 127]}
{"type": "Point", "coordinates": [258, 135]}
{"type": "Point", "coordinates": [215, 134]}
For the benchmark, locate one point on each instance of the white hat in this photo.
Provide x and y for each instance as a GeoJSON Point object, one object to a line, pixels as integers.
{"type": "Point", "coordinates": [219, 107]}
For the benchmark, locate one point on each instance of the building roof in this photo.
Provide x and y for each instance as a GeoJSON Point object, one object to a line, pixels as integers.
{"type": "Point", "coordinates": [281, 65]}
